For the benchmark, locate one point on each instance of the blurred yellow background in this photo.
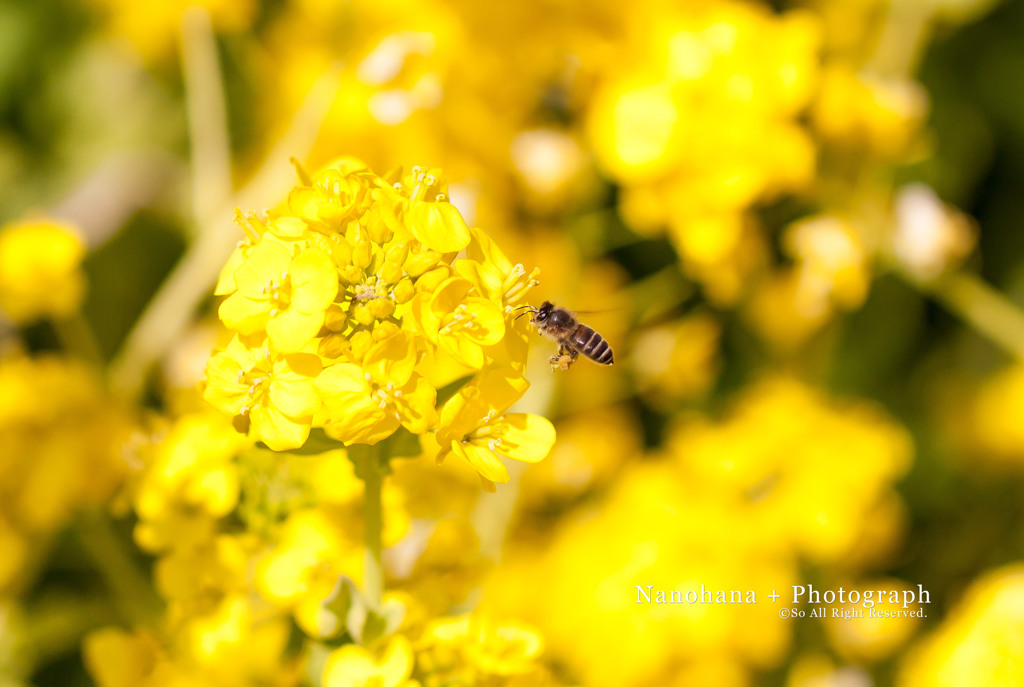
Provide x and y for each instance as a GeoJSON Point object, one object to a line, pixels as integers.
{"type": "Point", "coordinates": [797, 224]}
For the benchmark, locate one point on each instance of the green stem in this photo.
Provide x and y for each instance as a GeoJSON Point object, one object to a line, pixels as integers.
{"type": "Point", "coordinates": [987, 310]}
{"type": "Point", "coordinates": [56, 625]}
{"type": "Point", "coordinates": [129, 586]}
{"type": "Point", "coordinates": [171, 309]}
{"type": "Point", "coordinates": [76, 338]}
{"type": "Point", "coordinates": [373, 574]}
{"type": "Point", "coordinates": [207, 115]}
{"type": "Point", "coordinates": [902, 40]}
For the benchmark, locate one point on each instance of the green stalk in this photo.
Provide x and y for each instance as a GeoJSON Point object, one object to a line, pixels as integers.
{"type": "Point", "coordinates": [128, 585]}
{"type": "Point", "coordinates": [207, 115]}
{"type": "Point", "coordinates": [991, 313]}
{"type": "Point", "coordinates": [77, 339]}
{"type": "Point", "coordinates": [174, 305]}
{"type": "Point", "coordinates": [373, 574]}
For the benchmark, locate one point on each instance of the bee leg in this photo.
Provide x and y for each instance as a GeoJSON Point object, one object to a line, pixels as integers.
{"type": "Point", "coordinates": [563, 359]}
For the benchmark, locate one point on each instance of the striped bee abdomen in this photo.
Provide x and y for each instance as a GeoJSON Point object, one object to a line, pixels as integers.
{"type": "Point", "coordinates": [591, 344]}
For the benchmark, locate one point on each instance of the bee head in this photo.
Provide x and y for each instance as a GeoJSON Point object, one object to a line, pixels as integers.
{"type": "Point", "coordinates": [542, 313]}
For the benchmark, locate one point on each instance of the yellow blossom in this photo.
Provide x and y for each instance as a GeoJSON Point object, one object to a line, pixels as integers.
{"type": "Point", "coordinates": [62, 450]}
{"type": "Point", "coordinates": [476, 426]}
{"type": "Point", "coordinates": [833, 264]}
{"type": "Point", "coordinates": [283, 295]}
{"type": "Point", "coordinates": [460, 323]}
{"type": "Point", "coordinates": [494, 648]}
{"type": "Point", "coordinates": [40, 270]}
{"type": "Point", "coordinates": [429, 216]}
{"type": "Point", "coordinates": [880, 115]}
{"type": "Point", "coordinates": [304, 569]}
{"type": "Point", "coordinates": [979, 642]}
{"type": "Point", "coordinates": [273, 394]}
{"type": "Point", "coordinates": [367, 403]}
{"type": "Point", "coordinates": [354, 666]}
{"type": "Point", "coordinates": [871, 635]}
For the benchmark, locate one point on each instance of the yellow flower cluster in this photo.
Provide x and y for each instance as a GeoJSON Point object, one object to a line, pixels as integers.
{"type": "Point", "coordinates": [979, 642]}
{"type": "Point", "coordinates": [40, 273]}
{"type": "Point", "coordinates": [369, 319]}
{"type": "Point", "coordinates": [231, 593]}
{"type": "Point", "coordinates": [736, 504]}
{"type": "Point", "coordinates": [465, 650]}
{"type": "Point", "coordinates": [349, 309]}
{"type": "Point", "coordinates": [352, 306]}
{"type": "Point", "coordinates": [61, 453]}
{"type": "Point", "coordinates": [702, 121]}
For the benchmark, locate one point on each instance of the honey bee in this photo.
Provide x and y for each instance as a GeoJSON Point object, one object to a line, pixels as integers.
{"type": "Point", "coordinates": [572, 336]}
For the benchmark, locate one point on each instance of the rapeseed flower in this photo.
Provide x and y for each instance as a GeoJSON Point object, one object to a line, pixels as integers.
{"type": "Point", "coordinates": [271, 396]}
{"type": "Point", "coordinates": [345, 303]}
{"type": "Point", "coordinates": [62, 452]}
{"type": "Point", "coordinates": [979, 641]}
{"type": "Point", "coordinates": [366, 403]}
{"type": "Point", "coordinates": [40, 270]}
{"type": "Point", "coordinates": [189, 483]}
{"type": "Point", "coordinates": [283, 296]}
{"type": "Point", "coordinates": [354, 666]}
{"type": "Point", "coordinates": [476, 426]}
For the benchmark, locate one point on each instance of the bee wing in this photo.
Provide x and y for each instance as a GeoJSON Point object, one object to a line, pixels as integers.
{"type": "Point", "coordinates": [597, 312]}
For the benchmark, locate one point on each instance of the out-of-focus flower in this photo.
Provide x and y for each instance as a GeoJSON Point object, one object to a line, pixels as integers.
{"type": "Point", "coordinates": [832, 264]}
{"type": "Point", "coordinates": [832, 272]}
{"type": "Point", "coordinates": [867, 113]}
{"type": "Point", "coordinates": [549, 163]}
{"type": "Point", "coordinates": [995, 414]}
{"type": "Point", "coordinates": [354, 666]}
{"type": "Point", "coordinates": [678, 361]}
{"type": "Point", "coordinates": [652, 529]}
{"type": "Point", "coordinates": [788, 476]}
{"type": "Point", "coordinates": [591, 448]}
{"type": "Point", "coordinates": [62, 450]}
{"type": "Point", "coordinates": [476, 648]}
{"type": "Point", "coordinates": [979, 642]}
{"type": "Point", "coordinates": [153, 30]}
{"type": "Point", "coordinates": [930, 237]}
{"type": "Point", "coordinates": [40, 270]}
{"type": "Point", "coordinates": [190, 482]}
{"type": "Point", "coordinates": [779, 445]}
{"type": "Point", "coordinates": [701, 123]}
{"type": "Point", "coordinates": [246, 654]}
{"type": "Point", "coordinates": [304, 569]}
{"type": "Point", "coordinates": [817, 670]}
{"type": "Point", "coordinates": [776, 314]}
{"type": "Point", "coordinates": [863, 634]}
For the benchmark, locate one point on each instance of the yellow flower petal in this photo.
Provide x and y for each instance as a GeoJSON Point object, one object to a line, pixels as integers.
{"type": "Point", "coordinates": [291, 389]}
{"type": "Point", "coordinates": [416, 405]}
{"type": "Point", "coordinates": [525, 437]}
{"type": "Point", "coordinates": [277, 430]}
{"type": "Point", "coordinates": [314, 282]}
{"type": "Point", "coordinates": [392, 360]}
{"type": "Point", "coordinates": [290, 330]}
{"type": "Point", "coordinates": [483, 461]}
{"type": "Point", "coordinates": [438, 226]}
{"type": "Point", "coordinates": [222, 390]}
{"type": "Point", "coordinates": [287, 227]}
{"type": "Point", "coordinates": [268, 260]}
{"type": "Point", "coordinates": [226, 279]}
{"type": "Point", "coordinates": [244, 314]}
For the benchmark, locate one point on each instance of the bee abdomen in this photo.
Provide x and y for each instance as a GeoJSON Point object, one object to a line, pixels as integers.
{"type": "Point", "coordinates": [591, 344]}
